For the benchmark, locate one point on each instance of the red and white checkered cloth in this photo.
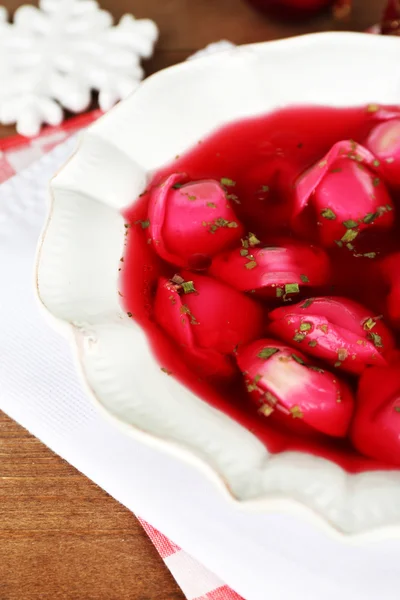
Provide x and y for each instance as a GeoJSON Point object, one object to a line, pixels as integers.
{"type": "Point", "coordinates": [196, 582]}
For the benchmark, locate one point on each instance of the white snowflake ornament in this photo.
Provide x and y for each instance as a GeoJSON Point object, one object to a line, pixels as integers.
{"type": "Point", "coordinates": [53, 56]}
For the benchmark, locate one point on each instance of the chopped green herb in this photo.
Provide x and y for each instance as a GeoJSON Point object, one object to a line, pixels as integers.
{"type": "Point", "coordinates": [339, 243]}
{"type": "Point", "coordinates": [376, 339]}
{"type": "Point", "coordinates": [338, 170]}
{"type": "Point", "coordinates": [188, 287]}
{"type": "Point", "coordinates": [337, 364]}
{"type": "Point", "coordinates": [317, 369]}
{"type": "Point", "coordinates": [244, 252]}
{"type": "Point", "coordinates": [312, 343]}
{"type": "Point", "coordinates": [176, 186]}
{"type": "Point", "coordinates": [292, 288]}
{"type": "Point", "coordinates": [322, 164]}
{"type": "Point", "coordinates": [279, 292]}
{"type": "Point", "coordinates": [296, 412]}
{"type": "Point", "coordinates": [305, 326]}
{"type": "Point", "coordinates": [376, 181]}
{"type": "Point", "coordinates": [307, 303]}
{"type": "Point", "coordinates": [342, 354]}
{"type": "Point", "coordinates": [350, 235]}
{"type": "Point", "coordinates": [323, 328]}
{"type": "Point", "coordinates": [298, 359]}
{"type": "Point", "coordinates": [164, 370]}
{"type": "Point", "coordinates": [228, 182]}
{"type": "Point", "coordinates": [350, 224]}
{"type": "Point", "coordinates": [234, 198]}
{"type": "Point", "coordinates": [370, 218]}
{"type": "Point", "coordinates": [211, 205]}
{"type": "Point", "coordinates": [327, 213]}
{"type": "Point", "coordinates": [388, 207]}
{"type": "Point", "coordinates": [257, 378]}
{"type": "Point", "coordinates": [253, 240]}
{"type": "Point", "coordinates": [144, 224]}
{"type": "Point", "coordinates": [299, 337]}
{"type": "Point", "coordinates": [304, 279]}
{"type": "Point", "coordinates": [397, 409]}
{"type": "Point", "coordinates": [232, 225]}
{"type": "Point", "coordinates": [350, 247]}
{"type": "Point", "coordinates": [370, 255]}
{"type": "Point", "coordinates": [265, 188]}
{"type": "Point", "coordinates": [376, 163]}
{"type": "Point", "coordinates": [185, 310]}
{"type": "Point", "coordinates": [251, 264]}
{"type": "Point", "coordinates": [369, 324]}
{"type": "Point", "coordinates": [267, 353]}
{"type": "Point", "coordinates": [266, 410]}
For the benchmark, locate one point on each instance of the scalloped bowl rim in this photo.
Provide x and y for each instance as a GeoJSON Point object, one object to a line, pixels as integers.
{"type": "Point", "coordinates": [79, 333]}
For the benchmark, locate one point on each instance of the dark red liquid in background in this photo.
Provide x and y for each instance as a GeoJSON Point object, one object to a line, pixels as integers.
{"type": "Point", "coordinates": [247, 152]}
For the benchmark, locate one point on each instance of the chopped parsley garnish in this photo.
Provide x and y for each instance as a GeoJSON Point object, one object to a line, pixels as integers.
{"type": "Point", "coordinates": [176, 186]}
{"type": "Point", "coordinates": [185, 310]}
{"type": "Point", "coordinates": [327, 213]}
{"type": "Point", "coordinates": [337, 364]}
{"type": "Point", "coordinates": [265, 188]}
{"type": "Point", "coordinates": [350, 235]}
{"type": "Point", "coordinates": [253, 240]}
{"type": "Point", "coordinates": [323, 328]}
{"type": "Point", "coordinates": [376, 163]}
{"type": "Point", "coordinates": [376, 181]}
{"type": "Point", "coordinates": [228, 182]}
{"type": "Point", "coordinates": [233, 197]}
{"type": "Point", "coordinates": [369, 324]}
{"type": "Point", "coordinates": [244, 252]}
{"type": "Point", "coordinates": [298, 359]}
{"type": "Point", "coordinates": [376, 339]}
{"type": "Point", "coordinates": [312, 343]}
{"type": "Point", "coordinates": [211, 205]}
{"type": "Point", "coordinates": [304, 279]}
{"type": "Point", "coordinates": [296, 412]}
{"type": "Point", "coordinates": [267, 353]}
{"type": "Point", "coordinates": [350, 224]}
{"type": "Point", "coordinates": [307, 303]}
{"type": "Point", "coordinates": [251, 264]}
{"type": "Point", "coordinates": [305, 326]}
{"type": "Point", "coordinates": [370, 218]}
{"type": "Point", "coordinates": [317, 369]}
{"type": "Point", "coordinates": [218, 223]}
{"type": "Point", "coordinates": [266, 410]}
{"type": "Point", "coordinates": [299, 337]}
{"type": "Point", "coordinates": [144, 224]}
{"type": "Point", "coordinates": [279, 292]}
{"type": "Point", "coordinates": [188, 287]}
{"type": "Point", "coordinates": [292, 288]}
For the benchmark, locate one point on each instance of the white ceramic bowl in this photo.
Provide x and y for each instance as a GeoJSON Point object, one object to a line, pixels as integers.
{"type": "Point", "coordinates": [84, 240]}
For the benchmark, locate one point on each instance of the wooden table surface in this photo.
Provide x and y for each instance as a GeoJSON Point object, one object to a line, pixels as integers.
{"type": "Point", "coordinates": [61, 537]}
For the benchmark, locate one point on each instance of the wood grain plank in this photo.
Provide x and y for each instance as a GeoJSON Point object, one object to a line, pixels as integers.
{"type": "Point", "coordinates": [63, 537]}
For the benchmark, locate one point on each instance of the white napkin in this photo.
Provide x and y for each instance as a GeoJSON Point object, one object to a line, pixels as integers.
{"type": "Point", "coordinates": [260, 556]}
